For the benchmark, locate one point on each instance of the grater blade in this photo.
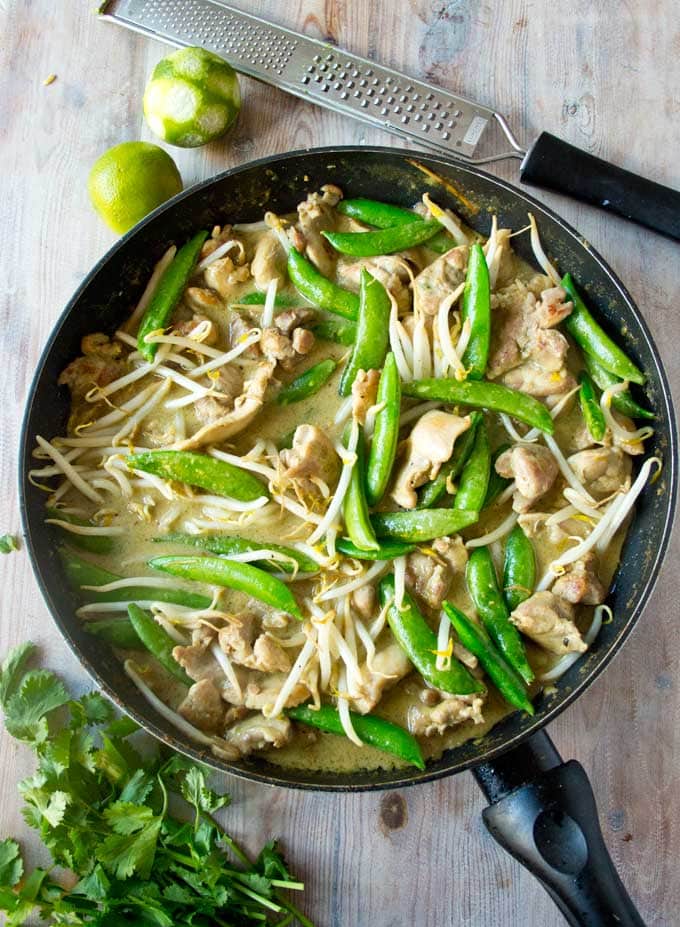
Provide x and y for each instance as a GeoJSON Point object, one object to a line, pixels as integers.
{"type": "Point", "coordinates": [319, 72]}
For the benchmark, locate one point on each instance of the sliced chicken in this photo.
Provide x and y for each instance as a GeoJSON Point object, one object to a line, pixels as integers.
{"type": "Point", "coordinates": [549, 621]}
{"type": "Point", "coordinates": [186, 328]}
{"type": "Point", "coordinates": [603, 470]}
{"type": "Point", "coordinates": [581, 583]}
{"type": "Point", "coordinates": [102, 363]}
{"type": "Point", "coordinates": [428, 576]}
{"type": "Point", "coordinates": [291, 319]}
{"type": "Point", "coordinates": [258, 733]}
{"type": "Point", "coordinates": [228, 386]}
{"type": "Point", "coordinates": [242, 641]}
{"type": "Point", "coordinates": [390, 269]}
{"type": "Point", "coordinates": [453, 551]}
{"type": "Point", "coordinates": [201, 299]}
{"type": "Point", "coordinates": [311, 459]}
{"type": "Point", "coordinates": [535, 525]}
{"type": "Point", "coordinates": [316, 215]}
{"type": "Point", "coordinates": [428, 447]}
{"type": "Point", "coordinates": [534, 470]}
{"type": "Point", "coordinates": [286, 350]}
{"type": "Point", "coordinates": [262, 689]}
{"type": "Point", "coordinates": [364, 393]}
{"type": "Point", "coordinates": [364, 600]}
{"type": "Point", "coordinates": [226, 277]}
{"type": "Point", "coordinates": [439, 279]}
{"type": "Point", "coordinates": [269, 261]}
{"type": "Point", "coordinates": [427, 720]}
{"type": "Point", "coordinates": [203, 707]}
{"type": "Point", "coordinates": [389, 665]}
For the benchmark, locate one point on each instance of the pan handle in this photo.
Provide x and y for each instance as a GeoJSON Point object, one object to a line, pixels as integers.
{"type": "Point", "coordinates": [557, 165]}
{"type": "Point", "coordinates": [543, 812]}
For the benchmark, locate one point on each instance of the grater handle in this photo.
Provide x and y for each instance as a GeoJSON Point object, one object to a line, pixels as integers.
{"type": "Point", "coordinates": [557, 165]}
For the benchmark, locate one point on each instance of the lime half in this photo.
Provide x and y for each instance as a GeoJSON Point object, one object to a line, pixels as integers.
{"type": "Point", "coordinates": [192, 98]}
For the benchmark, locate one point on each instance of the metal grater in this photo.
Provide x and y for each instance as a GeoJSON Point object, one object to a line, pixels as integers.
{"type": "Point", "coordinates": [319, 72]}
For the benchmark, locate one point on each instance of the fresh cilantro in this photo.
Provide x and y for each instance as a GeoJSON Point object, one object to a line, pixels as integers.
{"type": "Point", "coordinates": [8, 543]}
{"type": "Point", "coordinates": [100, 805]}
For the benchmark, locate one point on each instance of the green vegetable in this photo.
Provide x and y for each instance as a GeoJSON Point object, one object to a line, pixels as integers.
{"type": "Point", "coordinates": [433, 491]}
{"type": "Point", "coordinates": [80, 572]}
{"type": "Point", "coordinates": [384, 241]}
{"type": "Point", "coordinates": [96, 544]}
{"type": "Point", "coordinates": [8, 544]}
{"type": "Point", "coordinates": [386, 550]}
{"type": "Point", "coordinates": [419, 643]}
{"type": "Point", "coordinates": [422, 524]}
{"type": "Point", "coordinates": [385, 439]}
{"type": "Point", "coordinates": [483, 395]}
{"type": "Point", "coordinates": [385, 736]}
{"type": "Point", "coordinates": [225, 544]}
{"type": "Point", "coordinates": [101, 809]}
{"type": "Point", "coordinates": [118, 632]}
{"type": "Point", "coordinates": [474, 479]}
{"type": "Point", "coordinates": [386, 215]}
{"type": "Point", "coordinates": [157, 641]}
{"type": "Point", "coordinates": [281, 300]}
{"type": "Point", "coordinates": [168, 293]}
{"type": "Point", "coordinates": [340, 331]}
{"type": "Point", "coordinates": [477, 641]}
{"type": "Point", "coordinates": [476, 308]}
{"type": "Point", "coordinates": [593, 415]}
{"type": "Point", "coordinates": [519, 571]}
{"type": "Point", "coordinates": [372, 337]}
{"type": "Point", "coordinates": [623, 402]}
{"type": "Point", "coordinates": [355, 507]}
{"type": "Point", "coordinates": [592, 339]}
{"type": "Point", "coordinates": [200, 470]}
{"type": "Point", "coordinates": [234, 575]}
{"type": "Point", "coordinates": [482, 584]}
{"type": "Point", "coordinates": [307, 383]}
{"type": "Point", "coordinates": [319, 289]}
{"type": "Point", "coordinates": [497, 483]}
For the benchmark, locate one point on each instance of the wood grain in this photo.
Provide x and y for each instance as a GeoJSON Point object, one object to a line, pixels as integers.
{"type": "Point", "coordinates": [604, 76]}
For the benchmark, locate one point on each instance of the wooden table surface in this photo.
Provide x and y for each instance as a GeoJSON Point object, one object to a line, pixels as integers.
{"type": "Point", "coordinates": [604, 76]}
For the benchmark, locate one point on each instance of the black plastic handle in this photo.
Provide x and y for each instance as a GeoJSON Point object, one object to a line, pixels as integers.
{"type": "Point", "coordinates": [543, 812]}
{"type": "Point", "coordinates": [559, 166]}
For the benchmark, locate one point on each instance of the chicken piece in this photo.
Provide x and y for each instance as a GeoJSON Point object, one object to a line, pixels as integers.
{"type": "Point", "coordinates": [218, 236]}
{"type": "Point", "coordinates": [186, 327]}
{"type": "Point", "coordinates": [262, 689]}
{"type": "Point", "coordinates": [225, 277]}
{"type": "Point", "coordinates": [364, 393]}
{"type": "Point", "coordinates": [243, 643]}
{"type": "Point", "coordinates": [545, 373]}
{"type": "Point", "coordinates": [389, 665]}
{"type": "Point", "coordinates": [425, 720]}
{"type": "Point", "coordinates": [246, 407]}
{"type": "Point", "coordinates": [269, 655]}
{"type": "Point", "coordinates": [203, 707]}
{"type": "Point", "coordinates": [201, 299]}
{"type": "Point", "coordinates": [535, 525]}
{"type": "Point", "coordinates": [552, 308]}
{"type": "Point", "coordinates": [439, 279]}
{"type": "Point", "coordinates": [199, 663]}
{"type": "Point", "coordinates": [284, 350]}
{"type": "Point", "coordinates": [549, 621]}
{"type": "Point", "coordinates": [269, 261]}
{"type": "Point", "coordinates": [311, 458]}
{"type": "Point", "coordinates": [453, 551]}
{"type": "Point", "coordinates": [634, 447]}
{"type": "Point", "coordinates": [390, 269]}
{"type": "Point", "coordinates": [316, 215]}
{"type": "Point", "coordinates": [240, 326]}
{"type": "Point", "coordinates": [581, 583]}
{"type": "Point", "coordinates": [429, 577]}
{"type": "Point", "coordinates": [428, 447]}
{"type": "Point", "coordinates": [229, 384]}
{"type": "Point", "coordinates": [603, 470]}
{"type": "Point", "coordinates": [534, 470]}
{"type": "Point", "coordinates": [291, 319]}
{"type": "Point", "coordinates": [303, 341]}
{"type": "Point", "coordinates": [463, 654]}
{"type": "Point", "coordinates": [363, 600]}
{"type": "Point", "coordinates": [102, 362]}
{"type": "Point", "coordinates": [258, 732]}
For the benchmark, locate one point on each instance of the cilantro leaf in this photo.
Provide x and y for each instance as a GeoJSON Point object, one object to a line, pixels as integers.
{"type": "Point", "coordinates": [137, 787]}
{"type": "Point", "coordinates": [39, 693]}
{"type": "Point", "coordinates": [95, 885]}
{"type": "Point", "coordinates": [127, 818]}
{"type": "Point", "coordinates": [12, 668]}
{"type": "Point", "coordinates": [197, 793]}
{"type": "Point", "coordinates": [125, 854]}
{"type": "Point", "coordinates": [270, 862]}
{"type": "Point", "coordinates": [11, 863]}
{"type": "Point", "coordinates": [41, 803]}
{"type": "Point", "coordinates": [8, 543]}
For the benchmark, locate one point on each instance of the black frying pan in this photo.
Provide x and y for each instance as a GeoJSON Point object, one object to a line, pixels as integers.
{"type": "Point", "coordinates": [542, 810]}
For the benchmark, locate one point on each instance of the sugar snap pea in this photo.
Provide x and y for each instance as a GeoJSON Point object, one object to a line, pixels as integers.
{"type": "Point", "coordinates": [433, 491]}
{"type": "Point", "coordinates": [157, 641]}
{"type": "Point", "coordinates": [519, 570]}
{"type": "Point", "coordinates": [421, 524]}
{"type": "Point", "coordinates": [340, 331]}
{"type": "Point", "coordinates": [200, 470]}
{"type": "Point", "coordinates": [225, 544]}
{"type": "Point", "coordinates": [592, 339]}
{"type": "Point", "coordinates": [623, 402]}
{"type": "Point", "coordinates": [475, 639]}
{"type": "Point", "coordinates": [476, 310]}
{"type": "Point", "coordinates": [281, 300]}
{"type": "Point", "coordinates": [383, 241]}
{"type": "Point", "coordinates": [386, 550]}
{"type": "Point", "coordinates": [118, 632]}
{"type": "Point", "coordinates": [593, 415]}
{"type": "Point", "coordinates": [355, 507]}
{"type": "Point", "coordinates": [497, 483]}
{"type": "Point", "coordinates": [307, 383]}
{"type": "Point", "coordinates": [385, 215]}
{"type": "Point", "coordinates": [168, 293]}
{"type": "Point", "coordinates": [372, 337]}
{"type": "Point", "coordinates": [95, 543]}
{"type": "Point", "coordinates": [482, 584]}
{"type": "Point", "coordinates": [385, 438]}
{"type": "Point", "coordinates": [234, 575]}
{"type": "Point", "coordinates": [419, 643]}
{"type": "Point", "coordinates": [321, 291]}
{"type": "Point", "coordinates": [474, 479]}
{"type": "Point", "coordinates": [385, 736]}
{"type": "Point", "coordinates": [81, 572]}
{"type": "Point", "coordinates": [483, 395]}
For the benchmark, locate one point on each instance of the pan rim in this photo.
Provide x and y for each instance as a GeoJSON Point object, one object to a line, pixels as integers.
{"type": "Point", "coordinates": [398, 778]}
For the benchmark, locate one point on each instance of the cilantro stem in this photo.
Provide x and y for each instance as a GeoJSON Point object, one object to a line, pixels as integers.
{"type": "Point", "coordinates": [295, 911]}
{"type": "Point", "coordinates": [265, 902]}
{"type": "Point", "coordinates": [291, 886]}
{"type": "Point", "coordinates": [286, 920]}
